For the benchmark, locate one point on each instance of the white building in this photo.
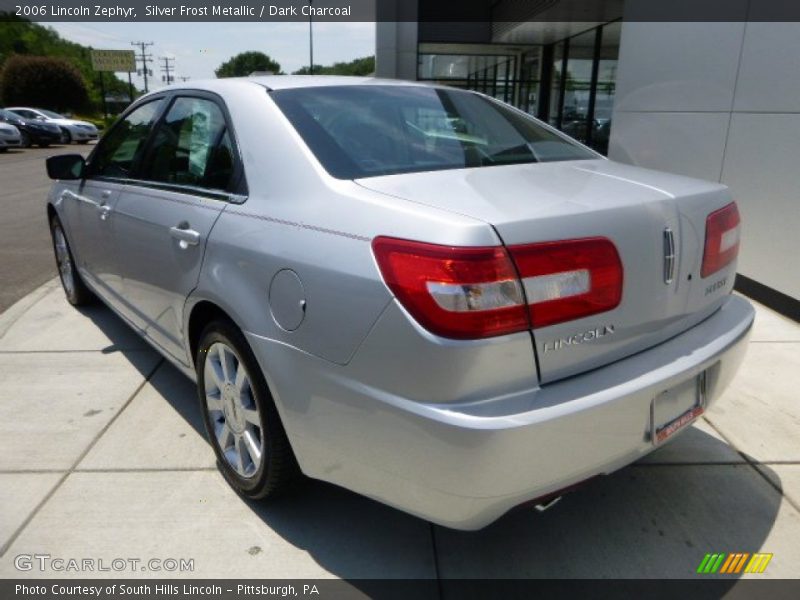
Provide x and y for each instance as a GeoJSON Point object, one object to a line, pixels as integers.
{"type": "Point", "coordinates": [715, 100]}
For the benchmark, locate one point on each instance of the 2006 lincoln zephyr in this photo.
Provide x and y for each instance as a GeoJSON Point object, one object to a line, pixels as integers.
{"type": "Point", "coordinates": [417, 293]}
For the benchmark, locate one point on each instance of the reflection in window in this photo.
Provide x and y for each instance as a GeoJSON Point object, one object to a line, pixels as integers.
{"type": "Point", "coordinates": [191, 146]}
{"type": "Point", "coordinates": [555, 85]}
{"type": "Point", "coordinates": [118, 150]}
{"type": "Point", "coordinates": [530, 81]}
{"type": "Point", "coordinates": [578, 86]}
{"type": "Point", "coordinates": [606, 86]}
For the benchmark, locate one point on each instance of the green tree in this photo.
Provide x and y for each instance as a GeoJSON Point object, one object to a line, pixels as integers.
{"type": "Point", "coordinates": [43, 81]}
{"type": "Point", "coordinates": [245, 63]}
{"type": "Point", "coordinates": [21, 37]}
{"type": "Point", "coordinates": [359, 66]}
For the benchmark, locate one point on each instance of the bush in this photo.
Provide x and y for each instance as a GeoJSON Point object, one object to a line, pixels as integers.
{"type": "Point", "coordinates": [43, 82]}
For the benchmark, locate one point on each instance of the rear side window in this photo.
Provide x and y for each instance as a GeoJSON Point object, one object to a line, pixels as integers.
{"type": "Point", "coordinates": [118, 150]}
{"type": "Point", "coordinates": [191, 146]}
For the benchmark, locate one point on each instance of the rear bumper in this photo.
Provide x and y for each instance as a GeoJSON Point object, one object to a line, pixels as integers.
{"type": "Point", "coordinates": [463, 465]}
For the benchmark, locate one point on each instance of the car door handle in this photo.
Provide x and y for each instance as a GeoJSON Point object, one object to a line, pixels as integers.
{"type": "Point", "coordinates": [187, 237]}
{"type": "Point", "coordinates": [104, 210]}
{"type": "Point", "coordinates": [105, 194]}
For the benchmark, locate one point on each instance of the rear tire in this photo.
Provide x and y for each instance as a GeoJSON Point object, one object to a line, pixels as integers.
{"type": "Point", "coordinates": [74, 289]}
{"type": "Point", "coordinates": [242, 422]}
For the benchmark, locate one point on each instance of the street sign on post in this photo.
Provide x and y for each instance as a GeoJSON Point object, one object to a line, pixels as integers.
{"type": "Point", "coordinates": [113, 60]}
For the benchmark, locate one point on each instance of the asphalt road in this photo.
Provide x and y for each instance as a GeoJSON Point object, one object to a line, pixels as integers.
{"type": "Point", "coordinates": [27, 257]}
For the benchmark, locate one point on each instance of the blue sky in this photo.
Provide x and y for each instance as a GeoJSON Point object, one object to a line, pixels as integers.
{"type": "Point", "coordinates": [199, 48]}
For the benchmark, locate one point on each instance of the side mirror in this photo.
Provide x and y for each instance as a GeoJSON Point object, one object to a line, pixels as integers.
{"type": "Point", "coordinates": [66, 166]}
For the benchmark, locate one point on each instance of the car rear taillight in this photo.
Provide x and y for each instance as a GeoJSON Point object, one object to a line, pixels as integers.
{"type": "Point", "coordinates": [454, 292]}
{"type": "Point", "coordinates": [722, 239]}
{"type": "Point", "coordinates": [470, 293]}
{"type": "Point", "coordinates": [569, 279]}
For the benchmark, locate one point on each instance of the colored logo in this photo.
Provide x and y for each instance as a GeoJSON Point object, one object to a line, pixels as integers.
{"type": "Point", "coordinates": [731, 564]}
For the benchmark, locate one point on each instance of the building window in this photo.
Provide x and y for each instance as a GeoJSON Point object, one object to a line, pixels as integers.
{"type": "Point", "coordinates": [583, 84]}
{"type": "Point", "coordinates": [569, 83]}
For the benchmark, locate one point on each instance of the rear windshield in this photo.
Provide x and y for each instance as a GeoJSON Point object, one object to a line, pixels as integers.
{"type": "Point", "coordinates": [365, 131]}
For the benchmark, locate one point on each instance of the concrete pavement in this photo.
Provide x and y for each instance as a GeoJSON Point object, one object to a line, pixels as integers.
{"type": "Point", "coordinates": [102, 455]}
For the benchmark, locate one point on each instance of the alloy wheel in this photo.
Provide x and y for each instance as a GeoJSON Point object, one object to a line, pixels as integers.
{"type": "Point", "coordinates": [232, 410]}
{"type": "Point", "coordinates": [63, 260]}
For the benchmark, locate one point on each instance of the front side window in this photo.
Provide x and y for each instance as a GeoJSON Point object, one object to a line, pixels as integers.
{"type": "Point", "coordinates": [364, 131]}
{"type": "Point", "coordinates": [7, 115]}
{"type": "Point", "coordinates": [191, 147]}
{"type": "Point", "coordinates": [117, 152]}
{"type": "Point", "coordinates": [51, 114]}
{"type": "Point", "coordinates": [27, 114]}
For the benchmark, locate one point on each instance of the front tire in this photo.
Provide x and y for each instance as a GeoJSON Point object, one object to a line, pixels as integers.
{"type": "Point", "coordinates": [25, 140]}
{"type": "Point", "coordinates": [66, 136]}
{"type": "Point", "coordinates": [74, 289]}
{"type": "Point", "coordinates": [242, 422]}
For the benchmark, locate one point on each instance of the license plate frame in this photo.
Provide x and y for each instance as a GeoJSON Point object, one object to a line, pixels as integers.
{"type": "Point", "coordinates": [692, 393]}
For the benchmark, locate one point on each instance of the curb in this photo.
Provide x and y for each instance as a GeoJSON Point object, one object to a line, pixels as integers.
{"type": "Point", "coordinates": [13, 313]}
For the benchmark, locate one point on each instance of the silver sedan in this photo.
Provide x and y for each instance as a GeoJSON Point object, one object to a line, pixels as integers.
{"type": "Point", "coordinates": [9, 137]}
{"type": "Point", "coordinates": [415, 292]}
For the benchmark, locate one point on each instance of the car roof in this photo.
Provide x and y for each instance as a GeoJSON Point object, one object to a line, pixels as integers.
{"type": "Point", "coordinates": [284, 82]}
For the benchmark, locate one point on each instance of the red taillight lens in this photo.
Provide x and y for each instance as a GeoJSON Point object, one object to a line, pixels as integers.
{"type": "Point", "coordinates": [569, 279]}
{"type": "Point", "coordinates": [722, 239]}
{"type": "Point", "coordinates": [470, 293]}
{"type": "Point", "coordinates": [454, 292]}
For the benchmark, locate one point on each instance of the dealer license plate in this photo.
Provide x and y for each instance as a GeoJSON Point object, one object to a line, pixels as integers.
{"type": "Point", "coordinates": [676, 408]}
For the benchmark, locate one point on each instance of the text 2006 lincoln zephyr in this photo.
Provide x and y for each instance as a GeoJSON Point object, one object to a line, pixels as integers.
{"type": "Point", "coordinates": [417, 293]}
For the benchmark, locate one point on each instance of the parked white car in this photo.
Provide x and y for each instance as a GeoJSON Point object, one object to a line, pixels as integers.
{"type": "Point", "coordinates": [9, 137]}
{"type": "Point", "coordinates": [72, 130]}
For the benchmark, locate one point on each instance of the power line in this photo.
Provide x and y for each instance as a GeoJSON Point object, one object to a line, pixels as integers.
{"type": "Point", "coordinates": [144, 58]}
{"type": "Point", "coordinates": [167, 69]}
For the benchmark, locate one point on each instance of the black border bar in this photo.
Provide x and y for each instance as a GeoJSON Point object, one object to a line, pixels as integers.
{"type": "Point", "coordinates": [438, 11]}
{"type": "Point", "coordinates": [700, 588]}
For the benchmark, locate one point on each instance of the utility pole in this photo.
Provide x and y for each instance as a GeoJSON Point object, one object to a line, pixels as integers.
{"type": "Point", "coordinates": [145, 58]}
{"type": "Point", "coordinates": [310, 41]}
{"type": "Point", "coordinates": [167, 68]}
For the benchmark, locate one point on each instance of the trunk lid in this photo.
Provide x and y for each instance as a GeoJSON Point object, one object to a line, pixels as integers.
{"type": "Point", "coordinates": [632, 207]}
